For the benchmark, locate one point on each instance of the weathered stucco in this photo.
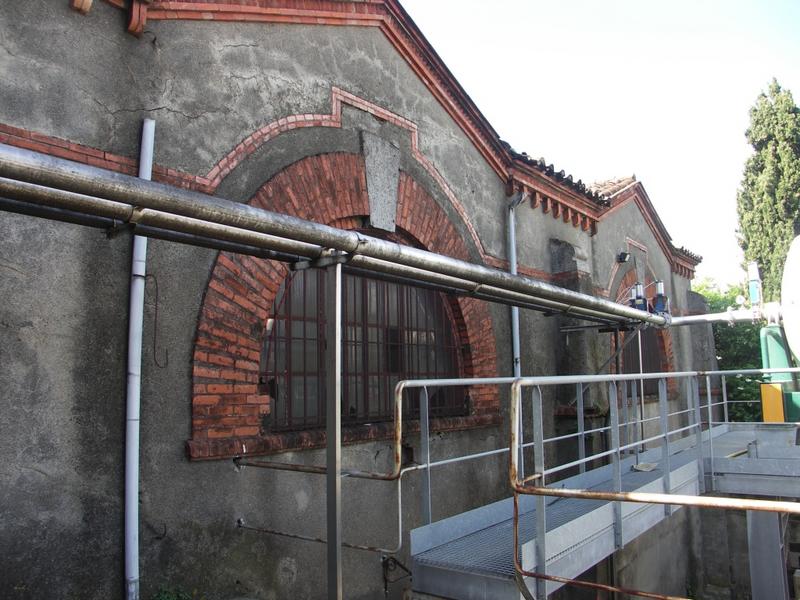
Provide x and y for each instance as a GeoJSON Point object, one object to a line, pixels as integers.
{"type": "Point", "coordinates": [64, 298]}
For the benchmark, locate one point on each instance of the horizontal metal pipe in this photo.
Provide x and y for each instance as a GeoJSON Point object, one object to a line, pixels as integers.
{"type": "Point", "coordinates": [599, 586]}
{"type": "Point", "coordinates": [299, 536]}
{"type": "Point", "coordinates": [313, 469]}
{"type": "Point", "coordinates": [55, 214]}
{"type": "Point", "coordinates": [674, 499]}
{"type": "Point", "coordinates": [730, 316]}
{"type": "Point", "coordinates": [109, 223]}
{"type": "Point", "coordinates": [247, 241]}
{"type": "Point", "coordinates": [24, 165]}
{"type": "Point", "coordinates": [185, 230]}
{"type": "Point", "coordinates": [212, 244]}
{"type": "Point", "coordinates": [483, 292]}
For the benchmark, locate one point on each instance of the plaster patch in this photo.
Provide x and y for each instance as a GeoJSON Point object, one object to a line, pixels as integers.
{"type": "Point", "coordinates": [301, 500]}
{"type": "Point", "coordinates": [287, 572]}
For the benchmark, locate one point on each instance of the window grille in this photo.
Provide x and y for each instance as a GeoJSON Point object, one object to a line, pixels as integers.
{"type": "Point", "coordinates": [390, 332]}
{"type": "Point", "coordinates": [651, 358]}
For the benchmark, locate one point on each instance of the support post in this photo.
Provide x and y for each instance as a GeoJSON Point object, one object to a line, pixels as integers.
{"type": "Point", "coordinates": [635, 411]}
{"type": "Point", "coordinates": [725, 399]}
{"type": "Point", "coordinates": [626, 430]}
{"type": "Point", "coordinates": [615, 461]}
{"type": "Point", "coordinates": [710, 431]}
{"type": "Point", "coordinates": [641, 392]}
{"type": "Point", "coordinates": [581, 428]}
{"type": "Point", "coordinates": [694, 388]}
{"type": "Point", "coordinates": [333, 388]}
{"type": "Point", "coordinates": [425, 450]}
{"type": "Point", "coordinates": [766, 556]}
{"type": "Point", "coordinates": [666, 467]}
{"type": "Point", "coordinates": [541, 501]}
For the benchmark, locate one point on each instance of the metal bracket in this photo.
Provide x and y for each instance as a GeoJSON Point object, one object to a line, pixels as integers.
{"type": "Point", "coordinates": [328, 258]}
{"type": "Point", "coordinates": [388, 565]}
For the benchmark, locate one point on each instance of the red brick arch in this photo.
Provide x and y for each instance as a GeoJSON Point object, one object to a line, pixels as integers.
{"type": "Point", "coordinates": [227, 409]}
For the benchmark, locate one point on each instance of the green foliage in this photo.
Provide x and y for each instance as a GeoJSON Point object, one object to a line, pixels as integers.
{"type": "Point", "coordinates": [172, 594]}
{"type": "Point", "coordinates": [738, 347]}
{"type": "Point", "coordinates": [768, 200]}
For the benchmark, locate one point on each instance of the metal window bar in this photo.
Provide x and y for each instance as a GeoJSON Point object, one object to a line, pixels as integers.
{"type": "Point", "coordinates": [375, 345]}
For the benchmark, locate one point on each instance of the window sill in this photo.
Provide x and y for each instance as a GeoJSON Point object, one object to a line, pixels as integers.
{"type": "Point", "coordinates": [214, 449]}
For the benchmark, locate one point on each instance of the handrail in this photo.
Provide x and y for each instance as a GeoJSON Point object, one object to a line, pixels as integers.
{"type": "Point", "coordinates": [522, 485]}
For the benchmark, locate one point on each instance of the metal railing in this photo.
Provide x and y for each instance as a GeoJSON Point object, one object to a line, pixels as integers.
{"type": "Point", "coordinates": [689, 421]}
{"type": "Point", "coordinates": [536, 484]}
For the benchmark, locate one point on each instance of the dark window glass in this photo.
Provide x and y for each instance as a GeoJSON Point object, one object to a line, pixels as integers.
{"type": "Point", "coordinates": [390, 332]}
{"type": "Point", "coordinates": [651, 358]}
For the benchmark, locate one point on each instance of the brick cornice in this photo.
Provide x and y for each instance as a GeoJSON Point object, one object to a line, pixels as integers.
{"type": "Point", "coordinates": [558, 201]}
{"type": "Point", "coordinates": [400, 30]}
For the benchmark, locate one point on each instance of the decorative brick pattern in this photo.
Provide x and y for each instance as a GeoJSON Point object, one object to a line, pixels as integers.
{"type": "Point", "coordinates": [392, 20]}
{"type": "Point", "coordinates": [339, 97]}
{"type": "Point", "coordinates": [207, 184]}
{"type": "Point", "coordinates": [227, 409]}
{"type": "Point", "coordinates": [53, 146]}
{"type": "Point", "coordinates": [681, 261]}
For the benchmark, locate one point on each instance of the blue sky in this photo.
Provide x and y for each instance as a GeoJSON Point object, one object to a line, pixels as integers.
{"type": "Point", "coordinates": [614, 87]}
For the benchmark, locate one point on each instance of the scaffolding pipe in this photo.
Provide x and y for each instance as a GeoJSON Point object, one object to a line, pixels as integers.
{"type": "Point", "coordinates": [52, 172]}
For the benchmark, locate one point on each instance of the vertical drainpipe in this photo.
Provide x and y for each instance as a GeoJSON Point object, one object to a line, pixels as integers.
{"type": "Point", "coordinates": [515, 201]}
{"type": "Point", "coordinates": [511, 238]}
{"type": "Point", "coordinates": [134, 387]}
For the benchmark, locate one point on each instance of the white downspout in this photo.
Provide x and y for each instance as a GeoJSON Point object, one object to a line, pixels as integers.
{"type": "Point", "coordinates": [512, 268]}
{"type": "Point", "coordinates": [134, 388]}
{"type": "Point", "coordinates": [511, 238]}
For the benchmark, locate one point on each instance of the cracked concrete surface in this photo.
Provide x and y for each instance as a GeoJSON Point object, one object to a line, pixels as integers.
{"type": "Point", "coordinates": [63, 304]}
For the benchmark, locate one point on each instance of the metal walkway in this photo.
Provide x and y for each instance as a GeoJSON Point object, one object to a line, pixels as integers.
{"type": "Point", "coordinates": [470, 556]}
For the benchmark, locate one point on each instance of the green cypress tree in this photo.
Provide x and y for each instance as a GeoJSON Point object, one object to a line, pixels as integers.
{"type": "Point", "coordinates": [768, 200]}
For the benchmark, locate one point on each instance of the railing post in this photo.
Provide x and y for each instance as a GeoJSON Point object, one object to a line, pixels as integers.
{"type": "Point", "coordinates": [725, 398]}
{"type": "Point", "coordinates": [634, 410]}
{"type": "Point", "coordinates": [710, 430]}
{"type": "Point", "coordinates": [615, 459]}
{"type": "Point", "coordinates": [666, 467]}
{"type": "Point", "coordinates": [333, 389]}
{"type": "Point", "coordinates": [695, 395]}
{"type": "Point", "coordinates": [425, 450]}
{"type": "Point", "coordinates": [541, 501]}
{"type": "Point", "coordinates": [626, 431]}
{"type": "Point", "coordinates": [581, 428]}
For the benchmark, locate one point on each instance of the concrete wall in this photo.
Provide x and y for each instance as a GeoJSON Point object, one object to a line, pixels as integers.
{"type": "Point", "coordinates": [64, 310]}
{"type": "Point", "coordinates": [659, 561]}
{"type": "Point", "coordinates": [64, 295]}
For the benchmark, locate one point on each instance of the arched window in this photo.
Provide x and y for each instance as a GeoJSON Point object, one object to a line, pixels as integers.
{"type": "Point", "coordinates": [390, 332]}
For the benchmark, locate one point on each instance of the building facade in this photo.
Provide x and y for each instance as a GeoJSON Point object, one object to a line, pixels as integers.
{"type": "Point", "coordinates": [338, 112]}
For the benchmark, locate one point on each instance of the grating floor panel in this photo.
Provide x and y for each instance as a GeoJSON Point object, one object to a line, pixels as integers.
{"type": "Point", "coordinates": [489, 551]}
